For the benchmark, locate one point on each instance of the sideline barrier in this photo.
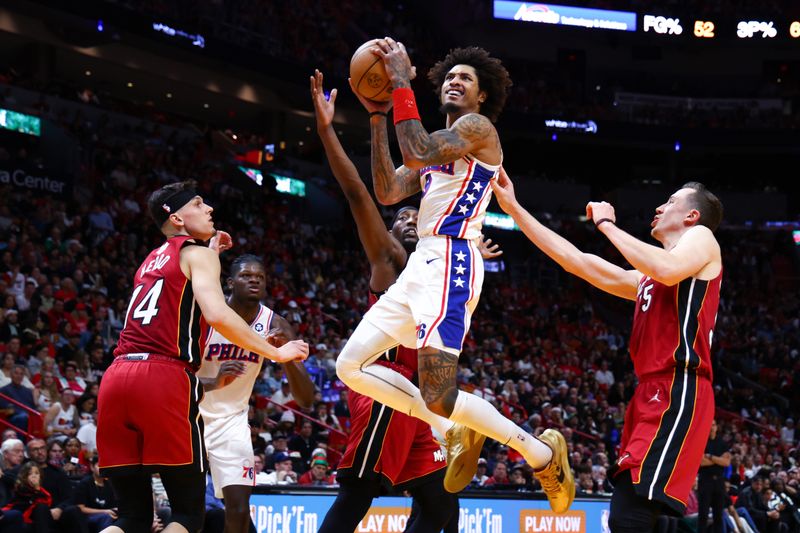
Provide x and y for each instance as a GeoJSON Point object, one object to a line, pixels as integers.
{"type": "Point", "coordinates": [480, 512]}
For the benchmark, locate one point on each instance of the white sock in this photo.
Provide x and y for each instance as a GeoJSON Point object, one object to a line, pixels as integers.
{"type": "Point", "coordinates": [383, 384]}
{"type": "Point", "coordinates": [478, 414]}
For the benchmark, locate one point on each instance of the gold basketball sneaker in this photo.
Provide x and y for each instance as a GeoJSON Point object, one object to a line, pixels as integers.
{"type": "Point", "coordinates": [463, 449]}
{"type": "Point", "coordinates": [556, 478]}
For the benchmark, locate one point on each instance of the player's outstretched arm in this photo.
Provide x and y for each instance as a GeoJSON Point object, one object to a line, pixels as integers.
{"type": "Point", "coordinates": [696, 249]}
{"type": "Point", "coordinates": [203, 269]}
{"type": "Point", "coordinates": [597, 271]}
{"type": "Point", "coordinates": [380, 247]}
{"type": "Point", "coordinates": [300, 382]}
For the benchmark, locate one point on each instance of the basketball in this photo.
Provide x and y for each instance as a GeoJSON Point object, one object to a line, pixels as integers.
{"type": "Point", "coordinates": [369, 75]}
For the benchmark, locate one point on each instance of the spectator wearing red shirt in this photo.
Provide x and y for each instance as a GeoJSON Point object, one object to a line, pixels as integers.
{"type": "Point", "coordinates": [317, 474]}
{"type": "Point", "coordinates": [499, 476]}
{"type": "Point", "coordinates": [71, 379]}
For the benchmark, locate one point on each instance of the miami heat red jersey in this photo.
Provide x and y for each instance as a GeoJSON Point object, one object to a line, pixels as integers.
{"type": "Point", "coordinates": [407, 357]}
{"type": "Point", "coordinates": [673, 326]}
{"type": "Point", "coordinates": [386, 444]}
{"type": "Point", "coordinates": [163, 316]}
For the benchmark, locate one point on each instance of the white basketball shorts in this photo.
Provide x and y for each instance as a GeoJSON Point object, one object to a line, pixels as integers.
{"type": "Point", "coordinates": [432, 302]}
{"type": "Point", "coordinates": [230, 451]}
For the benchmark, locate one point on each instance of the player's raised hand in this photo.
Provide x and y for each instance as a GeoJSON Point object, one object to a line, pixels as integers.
{"type": "Point", "coordinates": [599, 210]}
{"type": "Point", "coordinates": [503, 189]}
{"type": "Point", "coordinates": [488, 249]}
{"type": "Point", "coordinates": [395, 59]}
{"type": "Point", "coordinates": [370, 105]}
{"type": "Point", "coordinates": [292, 351]}
{"type": "Point", "coordinates": [221, 241]}
{"type": "Point", "coordinates": [323, 108]}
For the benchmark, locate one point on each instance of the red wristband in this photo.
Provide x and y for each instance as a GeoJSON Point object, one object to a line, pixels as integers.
{"type": "Point", "coordinates": [405, 105]}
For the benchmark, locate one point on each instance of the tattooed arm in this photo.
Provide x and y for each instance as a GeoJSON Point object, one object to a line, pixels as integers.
{"type": "Point", "coordinates": [467, 135]}
{"type": "Point", "coordinates": [390, 185]}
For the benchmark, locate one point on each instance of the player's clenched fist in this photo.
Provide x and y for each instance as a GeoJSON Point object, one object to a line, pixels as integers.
{"type": "Point", "coordinates": [599, 211]}
{"type": "Point", "coordinates": [292, 351]}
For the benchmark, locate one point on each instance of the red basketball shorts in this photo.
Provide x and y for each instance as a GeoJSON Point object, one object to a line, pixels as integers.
{"type": "Point", "coordinates": [147, 417]}
{"type": "Point", "coordinates": [666, 429]}
{"type": "Point", "coordinates": [384, 442]}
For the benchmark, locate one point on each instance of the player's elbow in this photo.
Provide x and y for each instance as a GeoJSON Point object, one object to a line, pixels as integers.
{"type": "Point", "coordinates": [413, 161]}
{"type": "Point", "coordinates": [387, 199]}
{"type": "Point", "coordinates": [667, 275]}
{"type": "Point", "coordinates": [215, 317]}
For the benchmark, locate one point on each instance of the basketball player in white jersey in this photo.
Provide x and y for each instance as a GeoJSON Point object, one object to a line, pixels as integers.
{"type": "Point", "coordinates": [224, 409]}
{"type": "Point", "coordinates": [431, 304]}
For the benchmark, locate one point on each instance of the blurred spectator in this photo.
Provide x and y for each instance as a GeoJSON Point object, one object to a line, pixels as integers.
{"type": "Point", "coordinates": [31, 499]}
{"type": "Point", "coordinates": [12, 452]}
{"type": "Point", "coordinates": [95, 498]}
{"type": "Point", "coordinates": [46, 392]}
{"type": "Point", "coordinates": [753, 499]}
{"type": "Point", "coordinates": [317, 475]}
{"type": "Point", "coordinates": [61, 421]}
{"type": "Point", "coordinates": [71, 379]}
{"type": "Point", "coordinates": [281, 397]}
{"type": "Point", "coordinates": [322, 434]}
{"type": "Point", "coordinates": [711, 481]}
{"type": "Point", "coordinates": [16, 390]}
{"type": "Point", "coordinates": [75, 464]}
{"type": "Point", "coordinates": [499, 476]}
{"type": "Point", "coordinates": [787, 431]}
{"type": "Point", "coordinates": [304, 441]}
{"type": "Point", "coordinates": [262, 477]}
{"type": "Point", "coordinates": [480, 476]}
{"type": "Point", "coordinates": [283, 474]}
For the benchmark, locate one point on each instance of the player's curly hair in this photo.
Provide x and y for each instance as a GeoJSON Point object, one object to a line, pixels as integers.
{"type": "Point", "coordinates": [493, 77]}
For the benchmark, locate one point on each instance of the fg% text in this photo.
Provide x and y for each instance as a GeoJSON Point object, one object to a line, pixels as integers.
{"type": "Point", "coordinates": [751, 28]}
{"type": "Point", "coordinates": [662, 25]}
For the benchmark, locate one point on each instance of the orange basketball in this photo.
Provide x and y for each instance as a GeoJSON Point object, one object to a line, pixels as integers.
{"type": "Point", "coordinates": [369, 75]}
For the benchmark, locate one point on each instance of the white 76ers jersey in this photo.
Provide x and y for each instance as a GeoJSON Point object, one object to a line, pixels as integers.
{"type": "Point", "coordinates": [233, 398]}
{"type": "Point", "coordinates": [455, 197]}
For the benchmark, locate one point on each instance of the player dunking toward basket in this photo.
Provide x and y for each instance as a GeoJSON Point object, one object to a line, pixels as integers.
{"type": "Point", "coordinates": [676, 290]}
{"type": "Point", "coordinates": [430, 305]}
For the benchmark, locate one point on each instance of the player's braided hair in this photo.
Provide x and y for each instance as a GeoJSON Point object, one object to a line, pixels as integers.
{"type": "Point", "coordinates": [493, 77]}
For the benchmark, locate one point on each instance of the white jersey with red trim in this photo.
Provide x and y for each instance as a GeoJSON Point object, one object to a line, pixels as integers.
{"type": "Point", "coordinates": [455, 197]}
{"type": "Point", "coordinates": [233, 398]}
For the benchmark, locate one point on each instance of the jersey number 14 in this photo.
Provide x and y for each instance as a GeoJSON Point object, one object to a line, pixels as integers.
{"type": "Point", "coordinates": [147, 308]}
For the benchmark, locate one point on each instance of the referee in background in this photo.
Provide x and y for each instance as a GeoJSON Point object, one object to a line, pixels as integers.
{"type": "Point", "coordinates": [711, 481]}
